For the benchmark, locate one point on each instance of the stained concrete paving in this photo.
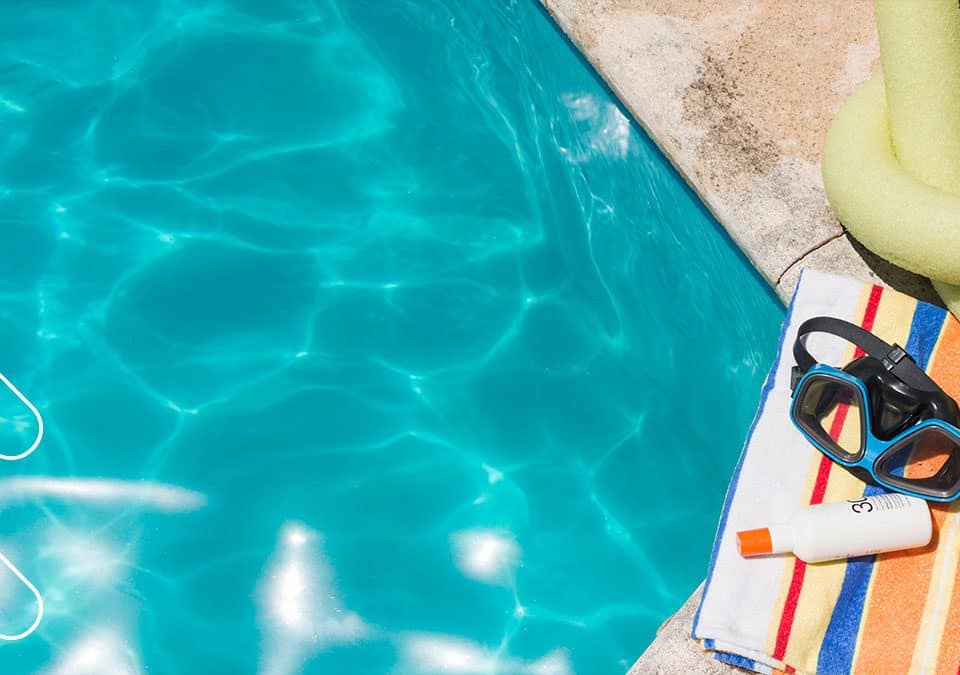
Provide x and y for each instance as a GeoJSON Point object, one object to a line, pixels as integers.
{"type": "Point", "coordinates": [739, 94]}
{"type": "Point", "coordinates": [673, 652]}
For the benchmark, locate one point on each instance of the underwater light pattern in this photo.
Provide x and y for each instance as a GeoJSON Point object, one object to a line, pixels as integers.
{"type": "Point", "coordinates": [368, 337]}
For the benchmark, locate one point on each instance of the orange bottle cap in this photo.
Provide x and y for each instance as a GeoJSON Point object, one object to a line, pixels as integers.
{"type": "Point", "coordinates": [754, 542]}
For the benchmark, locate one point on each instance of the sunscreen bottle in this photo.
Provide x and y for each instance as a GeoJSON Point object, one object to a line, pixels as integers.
{"type": "Point", "coordinates": [889, 522]}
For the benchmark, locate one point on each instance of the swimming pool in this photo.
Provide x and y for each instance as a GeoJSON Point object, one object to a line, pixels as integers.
{"type": "Point", "coordinates": [367, 339]}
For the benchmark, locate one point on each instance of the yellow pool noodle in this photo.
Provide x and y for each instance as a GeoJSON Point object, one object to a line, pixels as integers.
{"type": "Point", "coordinates": [902, 219]}
{"type": "Point", "coordinates": [949, 294]}
{"type": "Point", "coordinates": [920, 54]}
{"type": "Point", "coordinates": [891, 161]}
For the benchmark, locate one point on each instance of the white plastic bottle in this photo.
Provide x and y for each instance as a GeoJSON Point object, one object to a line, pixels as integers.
{"type": "Point", "coordinates": [890, 522]}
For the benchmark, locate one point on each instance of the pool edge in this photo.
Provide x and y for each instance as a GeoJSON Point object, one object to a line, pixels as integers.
{"type": "Point", "coordinates": [652, 60]}
{"type": "Point", "coordinates": [769, 198]}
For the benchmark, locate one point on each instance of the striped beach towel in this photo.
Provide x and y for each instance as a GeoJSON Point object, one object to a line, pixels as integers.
{"type": "Point", "coordinates": [887, 613]}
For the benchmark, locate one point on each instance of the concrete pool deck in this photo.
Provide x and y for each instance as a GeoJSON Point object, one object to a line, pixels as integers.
{"type": "Point", "coordinates": [739, 94]}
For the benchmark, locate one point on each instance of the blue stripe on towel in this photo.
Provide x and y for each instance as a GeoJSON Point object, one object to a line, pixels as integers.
{"type": "Point", "coordinates": [836, 650]}
{"type": "Point", "coordinates": [735, 660]}
{"type": "Point", "coordinates": [924, 331]}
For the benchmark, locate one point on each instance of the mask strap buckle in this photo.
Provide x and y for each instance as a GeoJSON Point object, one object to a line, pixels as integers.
{"type": "Point", "coordinates": [895, 356]}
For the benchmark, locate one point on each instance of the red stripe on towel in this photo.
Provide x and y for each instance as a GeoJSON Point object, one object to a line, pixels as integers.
{"type": "Point", "coordinates": [816, 497]}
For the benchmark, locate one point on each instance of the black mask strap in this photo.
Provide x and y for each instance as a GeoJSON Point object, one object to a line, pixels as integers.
{"type": "Point", "coordinates": [893, 357]}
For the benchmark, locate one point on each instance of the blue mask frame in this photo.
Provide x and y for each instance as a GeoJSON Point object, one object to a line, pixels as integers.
{"type": "Point", "coordinates": [876, 458]}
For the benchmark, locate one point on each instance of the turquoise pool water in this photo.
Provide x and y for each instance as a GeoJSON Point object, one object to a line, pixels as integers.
{"type": "Point", "coordinates": [369, 337]}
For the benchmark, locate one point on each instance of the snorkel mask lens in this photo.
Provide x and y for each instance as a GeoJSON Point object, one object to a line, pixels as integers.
{"type": "Point", "coordinates": [831, 411]}
{"type": "Point", "coordinates": [880, 416]}
{"type": "Point", "coordinates": [925, 461]}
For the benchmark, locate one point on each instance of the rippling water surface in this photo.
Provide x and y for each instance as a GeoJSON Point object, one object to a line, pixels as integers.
{"type": "Point", "coordinates": [368, 337]}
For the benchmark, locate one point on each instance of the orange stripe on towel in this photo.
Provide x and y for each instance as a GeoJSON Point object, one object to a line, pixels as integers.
{"type": "Point", "coordinates": [942, 614]}
{"type": "Point", "coordinates": [949, 659]}
{"type": "Point", "coordinates": [898, 596]}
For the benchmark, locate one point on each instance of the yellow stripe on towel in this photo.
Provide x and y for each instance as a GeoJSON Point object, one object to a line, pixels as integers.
{"type": "Point", "coordinates": [822, 582]}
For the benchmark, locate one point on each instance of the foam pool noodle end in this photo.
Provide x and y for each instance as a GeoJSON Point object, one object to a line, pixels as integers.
{"type": "Point", "coordinates": [891, 160]}
{"type": "Point", "coordinates": [920, 54]}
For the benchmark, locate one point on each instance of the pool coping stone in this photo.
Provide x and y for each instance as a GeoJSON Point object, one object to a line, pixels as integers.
{"type": "Point", "coordinates": [739, 106]}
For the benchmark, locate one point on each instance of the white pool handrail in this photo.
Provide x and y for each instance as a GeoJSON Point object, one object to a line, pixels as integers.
{"type": "Point", "coordinates": [3, 559]}
{"type": "Point", "coordinates": [36, 594]}
{"type": "Point", "coordinates": [36, 414]}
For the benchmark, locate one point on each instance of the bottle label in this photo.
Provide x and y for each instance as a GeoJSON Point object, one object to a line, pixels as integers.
{"type": "Point", "coordinates": [890, 502]}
